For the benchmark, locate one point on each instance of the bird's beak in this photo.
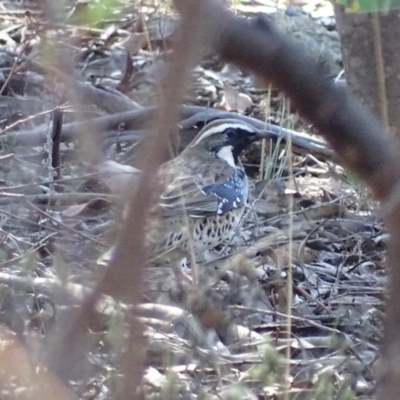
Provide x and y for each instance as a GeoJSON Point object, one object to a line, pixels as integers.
{"type": "Point", "coordinates": [261, 135]}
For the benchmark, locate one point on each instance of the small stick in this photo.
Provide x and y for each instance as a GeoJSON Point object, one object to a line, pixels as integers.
{"type": "Point", "coordinates": [56, 136]}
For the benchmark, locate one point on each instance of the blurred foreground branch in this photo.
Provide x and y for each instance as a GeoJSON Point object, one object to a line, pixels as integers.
{"type": "Point", "coordinates": [123, 278]}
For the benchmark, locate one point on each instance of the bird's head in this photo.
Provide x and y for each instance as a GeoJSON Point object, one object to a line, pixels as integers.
{"type": "Point", "coordinates": [226, 139]}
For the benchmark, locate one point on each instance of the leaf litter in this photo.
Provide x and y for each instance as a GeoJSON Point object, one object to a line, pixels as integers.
{"type": "Point", "coordinates": [308, 221]}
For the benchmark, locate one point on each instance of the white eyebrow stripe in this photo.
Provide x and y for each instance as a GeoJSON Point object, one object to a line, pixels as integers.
{"type": "Point", "coordinates": [221, 128]}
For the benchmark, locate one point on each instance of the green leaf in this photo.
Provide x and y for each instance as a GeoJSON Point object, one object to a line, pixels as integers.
{"type": "Point", "coordinates": [94, 12]}
{"type": "Point", "coordinates": [363, 6]}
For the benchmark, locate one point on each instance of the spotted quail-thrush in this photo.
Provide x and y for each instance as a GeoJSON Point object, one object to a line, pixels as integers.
{"type": "Point", "coordinates": [203, 193]}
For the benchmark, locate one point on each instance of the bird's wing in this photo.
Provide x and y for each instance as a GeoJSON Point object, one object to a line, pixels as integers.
{"type": "Point", "coordinates": [213, 191]}
{"type": "Point", "coordinates": [185, 194]}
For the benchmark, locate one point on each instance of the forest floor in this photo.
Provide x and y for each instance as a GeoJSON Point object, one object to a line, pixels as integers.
{"type": "Point", "coordinates": [310, 226]}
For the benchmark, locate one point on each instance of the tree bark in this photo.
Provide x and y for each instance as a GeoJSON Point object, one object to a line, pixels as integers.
{"type": "Point", "coordinates": [371, 57]}
{"type": "Point", "coordinates": [370, 45]}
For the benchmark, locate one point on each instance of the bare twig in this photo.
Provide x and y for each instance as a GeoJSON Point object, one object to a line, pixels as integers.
{"type": "Point", "coordinates": [56, 136]}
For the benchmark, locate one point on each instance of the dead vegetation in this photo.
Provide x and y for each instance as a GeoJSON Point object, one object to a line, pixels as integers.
{"type": "Point", "coordinates": [291, 307]}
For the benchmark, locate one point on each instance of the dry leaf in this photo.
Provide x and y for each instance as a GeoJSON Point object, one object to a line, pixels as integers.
{"type": "Point", "coordinates": [234, 100]}
{"type": "Point", "coordinates": [76, 209]}
{"type": "Point", "coordinates": [134, 42]}
{"type": "Point", "coordinates": [289, 253]}
{"type": "Point", "coordinates": [267, 208]}
{"type": "Point", "coordinates": [120, 179]}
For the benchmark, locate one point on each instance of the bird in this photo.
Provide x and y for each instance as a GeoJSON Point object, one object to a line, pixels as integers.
{"type": "Point", "coordinates": [202, 193]}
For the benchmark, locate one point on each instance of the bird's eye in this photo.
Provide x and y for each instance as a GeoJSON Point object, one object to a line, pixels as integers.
{"type": "Point", "coordinates": [235, 134]}
{"type": "Point", "coordinates": [231, 133]}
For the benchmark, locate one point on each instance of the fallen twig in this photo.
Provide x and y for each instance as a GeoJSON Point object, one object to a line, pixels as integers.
{"type": "Point", "coordinates": [107, 129]}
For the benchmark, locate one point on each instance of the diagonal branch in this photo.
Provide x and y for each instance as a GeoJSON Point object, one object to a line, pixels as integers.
{"type": "Point", "coordinates": [352, 131]}
{"type": "Point", "coordinates": [122, 280]}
